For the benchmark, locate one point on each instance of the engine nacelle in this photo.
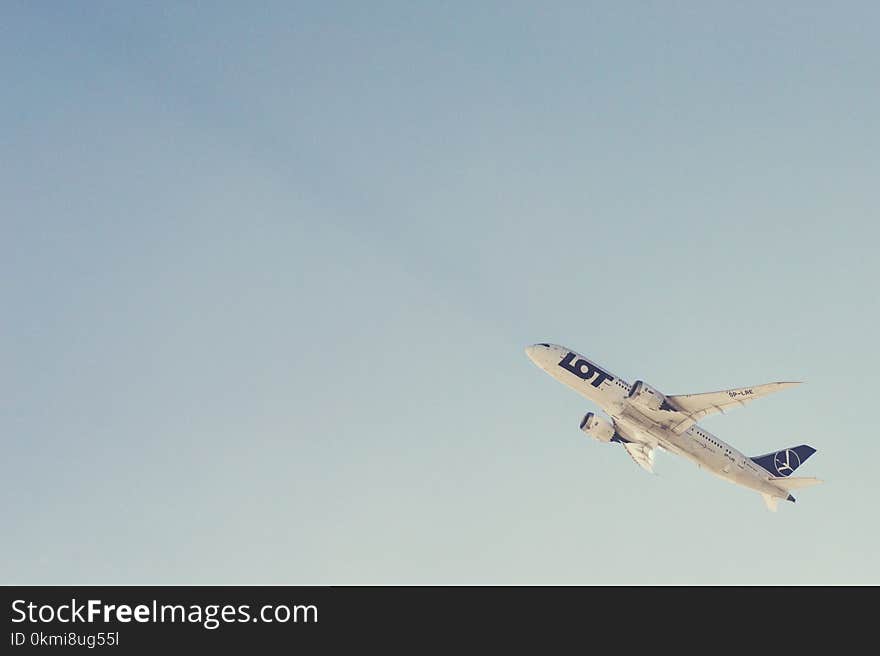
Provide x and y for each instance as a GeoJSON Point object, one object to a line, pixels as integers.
{"type": "Point", "coordinates": [645, 396]}
{"type": "Point", "coordinates": [596, 427]}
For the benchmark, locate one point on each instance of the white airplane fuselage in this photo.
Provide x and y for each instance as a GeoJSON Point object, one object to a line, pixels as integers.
{"type": "Point", "coordinates": [635, 424]}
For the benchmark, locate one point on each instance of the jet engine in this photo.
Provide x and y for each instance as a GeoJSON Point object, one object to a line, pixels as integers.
{"type": "Point", "coordinates": [643, 395]}
{"type": "Point", "coordinates": [596, 427]}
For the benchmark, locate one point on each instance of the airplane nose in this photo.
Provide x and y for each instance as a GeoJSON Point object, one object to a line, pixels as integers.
{"type": "Point", "coordinates": [535, 350]}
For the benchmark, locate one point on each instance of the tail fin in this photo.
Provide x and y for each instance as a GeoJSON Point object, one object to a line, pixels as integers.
{"type": "Point", "coordinates": [784, 462]}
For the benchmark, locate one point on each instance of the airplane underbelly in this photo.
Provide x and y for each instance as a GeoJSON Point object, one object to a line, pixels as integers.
{"type": "Point", "coordinates": [641, 431]}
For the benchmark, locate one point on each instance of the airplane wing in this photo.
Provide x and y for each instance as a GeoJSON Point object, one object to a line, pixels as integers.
{"type": "Point", "coordinates": [693, 407]}
{"type": "Point", "coordinates": [643, 454]}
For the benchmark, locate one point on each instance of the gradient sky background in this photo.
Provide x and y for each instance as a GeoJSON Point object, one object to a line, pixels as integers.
{"type": "Point", "coordinates": [268, 273]}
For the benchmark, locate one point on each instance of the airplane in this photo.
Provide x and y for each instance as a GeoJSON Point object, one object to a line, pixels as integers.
{"type": "Point", "coordinates": [643, 419]}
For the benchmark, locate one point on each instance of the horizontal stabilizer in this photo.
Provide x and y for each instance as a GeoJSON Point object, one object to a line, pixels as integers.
{"type": "Point", "coordinates": [795, 482]}
{"type": "Point", "coordinates": [770, 502]}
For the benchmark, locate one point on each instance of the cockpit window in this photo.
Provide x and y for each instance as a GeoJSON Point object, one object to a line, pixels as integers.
{"type": "Point", "coordinates": [547, 345]}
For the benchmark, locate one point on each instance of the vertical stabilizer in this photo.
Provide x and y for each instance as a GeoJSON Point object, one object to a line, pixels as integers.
{"type": "Point", "coordinates": [784, 462]}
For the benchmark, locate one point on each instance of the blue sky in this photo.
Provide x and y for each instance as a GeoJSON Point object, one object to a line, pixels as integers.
{"type": "Point", "coordinates": [268, 274]}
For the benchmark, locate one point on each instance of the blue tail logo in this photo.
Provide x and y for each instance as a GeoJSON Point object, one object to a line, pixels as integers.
{"type": "Point", "coordinates": [785, 461]}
